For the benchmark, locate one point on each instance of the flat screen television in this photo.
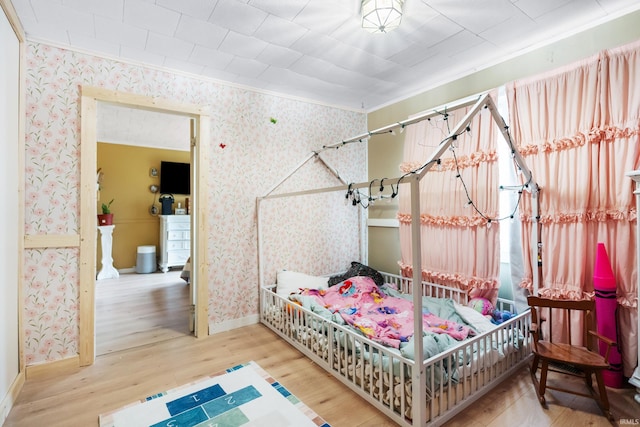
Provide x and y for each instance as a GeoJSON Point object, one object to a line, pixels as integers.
{"type": "Point", "coordinates": [175, 178]}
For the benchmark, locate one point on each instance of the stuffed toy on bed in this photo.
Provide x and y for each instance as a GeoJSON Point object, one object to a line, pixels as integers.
{"type": "Point", "coordinates": [484, 307]}
{"type": "Point", "coordinates": [499, 316]}
{"type": "Point", "coordinates": [358, 269]}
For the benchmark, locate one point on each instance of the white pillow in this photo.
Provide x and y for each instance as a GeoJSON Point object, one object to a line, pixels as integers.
{"type": "Point", "coordinates": [479, 322]}
{"type": "Point", "coordinates": [288, 282]}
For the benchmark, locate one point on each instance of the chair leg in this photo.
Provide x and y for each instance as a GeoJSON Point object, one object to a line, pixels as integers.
{"type": "Point", "coordinates": [543, 380]}
{"type": "Point", "coordinates": [603, 399]}
{"type": "Point", "coordinates": [588, 379]}
{"type": "Point", "coordinates": [540, 385]}
{"type": "Point", "coordinates": [536, 384]}
{"type": "Point", "coordinates": [534, 365]}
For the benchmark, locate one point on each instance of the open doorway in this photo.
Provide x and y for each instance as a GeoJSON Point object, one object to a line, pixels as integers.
{"type": "Point", "coordinates": [88, 235]}
{"type": "Point", "coordinates": [136, 152]}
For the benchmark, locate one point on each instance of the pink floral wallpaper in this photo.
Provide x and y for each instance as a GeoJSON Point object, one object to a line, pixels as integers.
{"type": "Point", "coordinates": [256, 140]}
{"type": "Point", "coordinates": [51, 304]}
{"type": "Point", "coordinates": [325, 239]}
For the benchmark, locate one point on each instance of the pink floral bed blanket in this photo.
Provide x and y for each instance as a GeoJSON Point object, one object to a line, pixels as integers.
{"type": "Point", "coordinates": [381, 317]}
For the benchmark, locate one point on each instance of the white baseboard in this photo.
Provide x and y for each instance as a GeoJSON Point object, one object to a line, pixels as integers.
{"type": "Point", "coordinates": [12, 395]}
{"type": "Point", "coordinates": [215, 328]}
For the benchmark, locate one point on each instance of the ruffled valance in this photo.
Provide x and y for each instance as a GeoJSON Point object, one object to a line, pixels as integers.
{"type": "Point", "coordinates": [627, 300]}
{"type": "Point", "coordinates": [452, 221]}
{"type": "Point", "coordinates": [450, 164]}
{"type": "Point", "coordinates": [608, 134]}
{"type": "Point", "coordinates": [565, 292]}
{"type": "Point", "coordinates": [599, 215]}
{"type": "Point", "coordinates": [457, 280]}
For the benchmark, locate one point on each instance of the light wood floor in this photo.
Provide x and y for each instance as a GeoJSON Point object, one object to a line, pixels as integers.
{"type": "Point", "coordinates": [139, 309]}
{"type": "Point", "coordinates": [77, 397]}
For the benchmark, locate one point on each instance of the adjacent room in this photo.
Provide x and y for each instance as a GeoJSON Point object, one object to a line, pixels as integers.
{"type": "Point", "coordinates": [320, 212]}
{"type": "Point", "coordinates": [143, 158]}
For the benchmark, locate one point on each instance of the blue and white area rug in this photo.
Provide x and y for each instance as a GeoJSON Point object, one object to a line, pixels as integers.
{"type": "Point", "coordinates": [244, 395]}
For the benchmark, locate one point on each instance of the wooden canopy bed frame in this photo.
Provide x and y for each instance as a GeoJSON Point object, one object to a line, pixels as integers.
{"type": "Point", "coordinates": [447, 382]}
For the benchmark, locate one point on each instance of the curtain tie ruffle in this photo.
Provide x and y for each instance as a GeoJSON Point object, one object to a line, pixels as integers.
{"type": "Point", "coordinates": [606, 134]}
{"type": "Point", "coordinates": [629, 300]}
{"type": "Point", "coordinates": [600, 215]}
{"type": "Point", "coordinates": [451, 221]}
{"type": "Point", "coordinates": [458, 280]}
{"type": "Point", "coordinates": [449, 164]}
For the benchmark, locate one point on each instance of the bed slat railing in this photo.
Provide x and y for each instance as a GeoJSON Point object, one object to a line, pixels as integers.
{"type": "Point", "coordinates": [371, 368]}
{"type": "Point", "coordinates": [383, 377]}
{"type": "Point", "coordinates": [463, 373]}
{"type": "Point", "coordinates": [404, 285]}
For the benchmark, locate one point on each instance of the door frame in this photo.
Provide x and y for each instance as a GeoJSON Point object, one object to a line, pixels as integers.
{"type": "Point", "coordinates": [90, 96]}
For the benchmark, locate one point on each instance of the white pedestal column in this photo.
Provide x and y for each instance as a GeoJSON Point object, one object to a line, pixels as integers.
{"type": "Point", "coordinates": [106, 239]}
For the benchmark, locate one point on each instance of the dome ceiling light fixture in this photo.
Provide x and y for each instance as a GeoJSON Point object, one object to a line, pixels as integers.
{"type": "Point", "coordinates": [381, 16]}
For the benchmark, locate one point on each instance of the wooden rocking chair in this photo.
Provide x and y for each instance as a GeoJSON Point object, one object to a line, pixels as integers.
{"type": "Point", "coordinates": [581, 361]}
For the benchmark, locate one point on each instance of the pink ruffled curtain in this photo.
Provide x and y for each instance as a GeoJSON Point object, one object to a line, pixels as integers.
{"type": "Point", "coordinates": [459, 247]}
{"type": "Point", "coordinates": [579, 131]}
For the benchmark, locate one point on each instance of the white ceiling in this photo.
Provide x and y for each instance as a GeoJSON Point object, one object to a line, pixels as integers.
{"type": "Point", "coordinates": [313, 49]}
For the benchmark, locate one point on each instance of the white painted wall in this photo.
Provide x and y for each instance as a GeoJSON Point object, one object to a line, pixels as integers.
{"type": "Point", "coordinates": [9, 77]}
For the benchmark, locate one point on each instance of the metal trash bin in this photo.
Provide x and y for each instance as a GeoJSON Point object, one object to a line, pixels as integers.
{"type": "Point", "coordinates": [146, 261]}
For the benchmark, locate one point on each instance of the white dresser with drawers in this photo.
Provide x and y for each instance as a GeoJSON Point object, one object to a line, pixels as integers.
{"type": "Point", "coordinates": [175, 241]}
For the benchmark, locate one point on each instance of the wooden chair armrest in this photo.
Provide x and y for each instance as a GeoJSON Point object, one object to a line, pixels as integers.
{"type": "Point", "coordinates": [610, 343]}
{"type": "Point", "coordinates": [602, 338]}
